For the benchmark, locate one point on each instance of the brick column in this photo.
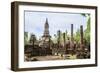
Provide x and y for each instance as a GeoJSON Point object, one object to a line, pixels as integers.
{"type": "Point", "coordinates": [81, 37]}
{"type": "Point", "coordinates": [71, 41]}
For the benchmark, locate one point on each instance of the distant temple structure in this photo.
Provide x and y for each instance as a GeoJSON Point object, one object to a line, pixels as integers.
{"type": "Point", "coordinates": [41, 47]}
{"type": "Point", "coordinates": [46, 30]}
{"type": "Point", "coordinates": [45, 42]}
{"type": "Point", "coordinates": [46, 39]}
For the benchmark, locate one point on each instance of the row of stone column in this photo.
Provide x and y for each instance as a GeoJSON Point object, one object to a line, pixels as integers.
{"type": "Point", "coordinates": [81, 36]}
{"type": "Point", "coordinates": [71, 39]}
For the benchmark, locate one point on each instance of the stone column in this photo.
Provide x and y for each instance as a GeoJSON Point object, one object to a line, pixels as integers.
{"type": "Point", "coordinates": [71, 41]}
{"type": "Point", "coordinates": [71, 32]}
{"type": "Point", "coordinates": [64, 42]}
{"type": "Point", "coordinates": [33, 40]}
{"type": "Point", "coordinates": [81, 37]}
{"type": "Point", "coordinates": [64, 38]}
{"type": "Point", "coordinates": [58, 38]}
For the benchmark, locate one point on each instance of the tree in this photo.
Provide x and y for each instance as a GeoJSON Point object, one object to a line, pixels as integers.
{"type": "Point", "coordinates": [58, 40]}
{"type": "Point", "coordinates": [54, 39]}
{"type": "Point", "coordinates": [26, 38]}
{"type": "Point", "coordinates": [32, 39]}
{"type": "Point", "coordinates": [87, 30]}
{"type": "Point", "coordinates": [77, 37]}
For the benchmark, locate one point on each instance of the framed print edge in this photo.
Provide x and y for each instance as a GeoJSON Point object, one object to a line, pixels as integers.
{"type": "Point", "coordinates": [96, 34]}
{"type": "Point", "coordinates": [15, 34]}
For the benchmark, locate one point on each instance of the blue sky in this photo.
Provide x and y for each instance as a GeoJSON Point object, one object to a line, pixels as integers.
{"type": "Point", "coordinates": [34, 22]}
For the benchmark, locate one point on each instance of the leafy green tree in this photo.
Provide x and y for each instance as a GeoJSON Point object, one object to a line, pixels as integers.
{"type": "Point", "coordinates": [54, 39]}
{"type": "Point", "coordinates": [66, 35]}
{"type": "Point", "coordinates": [26, 38]}
{"type": "Point", "coordinates": [77, 36]}
{"type": "Point", "coordinates": [87, 30]}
